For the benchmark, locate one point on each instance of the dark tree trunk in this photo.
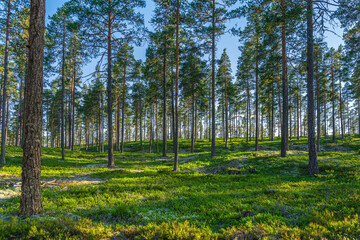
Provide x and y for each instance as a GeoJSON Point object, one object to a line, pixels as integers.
{"type": "Point", "coordinates": [141, 129]}
{"type": "Point", "coordinates": [213, 135]}
{"type": "Point", "coordinates": [341, 110]}
{"type": "Point", "coordinates": [325, 116]}
{"type": "Point", "coordinates": [193, 120]}
{"type": "Point", "coordinates": [164, 95]}
{"type": "Point", "coordinates": [313, 163]}
{"type": "Point", "coordinates": [333, 99]}
{"type": "Point", "coordinates": [4, 95]}
{"type": "Point", "coordinates": [19, 116]}
{"type": "Point", "coordinates": [285, 118]}
{"type": "Point", "coordinates": [226, 115]}
{"type": "Point", "coordinates": [31, 186]}
{"type": "Point", "coordinates": [359, 115]}
{"type": "Point", "coordinates": [111, 162]}
{"type": "Point", "coordinates": [318, 101]}
{"type": "Point", "coordinates": [176, 128]}
{"type": "Point", "coordinates": [123, 109]}
{"type": "Point", "coordinates": [256, 99]}
{"type": "Point", "coordinates": [62, 127]}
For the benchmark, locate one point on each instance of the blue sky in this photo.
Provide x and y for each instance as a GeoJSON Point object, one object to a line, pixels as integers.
{"type": "Point", "coordinates": [228, 41]}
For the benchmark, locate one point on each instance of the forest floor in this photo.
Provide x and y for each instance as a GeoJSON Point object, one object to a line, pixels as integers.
{"type": "Point", "coordinates": [235, 195]}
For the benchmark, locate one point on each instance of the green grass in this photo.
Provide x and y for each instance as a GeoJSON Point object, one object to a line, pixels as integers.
{"type": "Point", "coordinates": [144, 199]}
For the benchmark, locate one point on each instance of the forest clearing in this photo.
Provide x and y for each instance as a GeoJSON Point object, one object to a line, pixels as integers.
{"type": "Point", "coordinates": [232, 195]}
{"type": "Point", "coordinates": [179, 119]}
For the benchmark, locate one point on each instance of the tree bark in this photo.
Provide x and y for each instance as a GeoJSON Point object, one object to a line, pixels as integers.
{"type": "Point", "coordinates": [313, 163]}
{"type": "Point", "coordinates": [31, 186]}
{"type": "Point", "coordinates": [285, 120]}
{"type": "Point", "coordinates": [164, 93]}
{"type": "Point", "coordinates": [213, 134]}
{"type": "Point", "coordinates": [123, 106]}
{"type": "Point", "coordinates": [176, 128]}
{"type": "Point", "coordinates": [318, 101]}
{"type": "Point", "coordinates": [333, 98]}
{"type": "Point", "coordinates": [4, 95]}
{"type": "Point", "coordinates": [111, 162]}
{"type": "Point", "coordinates": [256, 98]}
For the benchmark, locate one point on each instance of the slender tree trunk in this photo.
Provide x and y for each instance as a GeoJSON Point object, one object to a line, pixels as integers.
{"type": "Point", "coordinates": [123, 108]}
{"type": "Point", "coordinates": [164, 93]}
{"type": "Point", "coordinates": [141, 129]}
{"type": "Point", "coordinates": [256, 98]}
{"type": "Point", "coordinates": [313, 163]}
{"type": "Point", "coordinates": [151, 128]}
{"type": "Point", "coordinates": [118, 107]}
{"type": "Point", "coordinates": [172, 110]}
{"type": "Point", "coordinates": [62, 127]}
{"type": "Point", "coordinates": [318, 102]}
{"type": "Point", "coordinates": [359, 115]}
{"type": "Point", "coordinates": [226, 115]}
{"type": "Point", "coordinates": [213, 81]}
{"type": "Point", "coordinates": [333, 99]}
{"type": "Point", "coordinates": [176, 132]}
{"type": "Point", "coordinates": [156, 127]}
{"type": "Point", "coordinates": [193, 119]}
{"type": "Point", "coordinates": [111, 162]}
{"type": "Point", "coordinates": [325, 116]}
{"type": "Point", "coordinates": [73, 107]}
{"type": "Point", "coordinates": [31, 186]}
{"type": "Point", "coordinates": [285, 118]}
{"type": "Point", "coordinates": [19, 116]}
{"type": "Point", "coordinates": [341, 110]}
{"type": "Point", "coordinates": [4, 95]}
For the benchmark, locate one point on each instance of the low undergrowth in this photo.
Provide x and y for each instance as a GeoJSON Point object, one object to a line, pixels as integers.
{"type": "Point", "coordinates": [143, 199]}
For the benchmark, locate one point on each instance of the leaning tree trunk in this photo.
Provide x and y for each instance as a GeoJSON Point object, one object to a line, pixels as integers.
{"type": "Point", "coordinates": [313, 163]}
{"type": "Point", "coordinates": [31, 186]}
{"type": "Point", "coordinates": [4, 97]}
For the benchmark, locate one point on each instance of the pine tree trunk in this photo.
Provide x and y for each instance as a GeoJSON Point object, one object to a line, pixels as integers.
{"type": "Point", "coordinates": [333, 100]}
{"type": "Point", "coordinates": [341, 110]}
{"type": "Point", "coordinates": [176, 128]}
{"type": "Point", "coordinates": [123, 108]}
{"type": "Point", "coordinates": [164, 94]}
{"type": "Point", "coordinates": [111, 162]}
{"type": "Point", "coordinates": [313, 163]}
{"type": "Point", "coordinates": [325, 116]}
{"type": "Point", "coordinates": [285, 118]}
{"type": "Point", "coordinates": [213, 134]}
{"type": "Point", "coordinates": [141, 129]}
{"type": "Point", "coordinates": [4, 95]}
{"type": "Point", "coordinates": [318, 103]}
{"type": "Point", "coordinates": [193, 120]}
{"type": "Point", "coordinates": [31, 186]}
{"type": "Point", "coordinates": [62, 126]}
{"type": "Point", "coordinates": [256, 98]}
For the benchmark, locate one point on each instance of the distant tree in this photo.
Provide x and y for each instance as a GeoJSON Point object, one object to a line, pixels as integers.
{"type": "Point", "coordinates": [105, 23]}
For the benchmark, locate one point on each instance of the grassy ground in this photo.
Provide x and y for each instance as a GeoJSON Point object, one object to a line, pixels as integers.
{"type": "Point", "coordinates": [232, 196]}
